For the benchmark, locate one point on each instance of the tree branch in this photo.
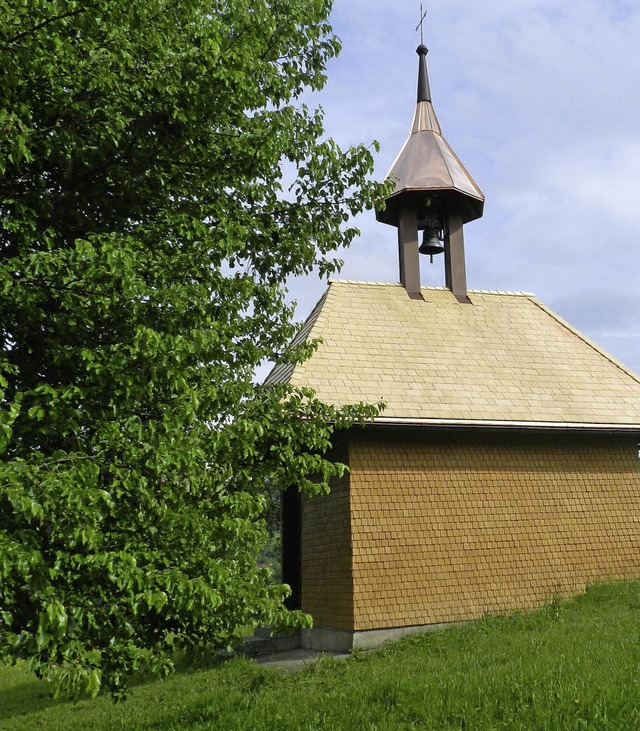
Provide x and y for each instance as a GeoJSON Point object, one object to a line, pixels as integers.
{"type": "Point", "coordinates": [44, 23]}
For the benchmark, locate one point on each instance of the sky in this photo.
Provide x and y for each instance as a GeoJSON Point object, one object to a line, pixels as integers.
{"type": "Point", "coordinates": [540, 99]}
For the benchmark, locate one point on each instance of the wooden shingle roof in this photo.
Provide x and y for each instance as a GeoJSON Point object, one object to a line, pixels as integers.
{"type": "Point", "coordinates": [504, 360]}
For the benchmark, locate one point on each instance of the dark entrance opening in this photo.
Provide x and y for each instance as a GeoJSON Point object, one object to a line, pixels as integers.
{"type": "Point", "coordinates": [291, 506]}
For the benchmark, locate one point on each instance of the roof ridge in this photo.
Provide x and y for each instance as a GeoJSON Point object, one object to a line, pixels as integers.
{"type": "Point", "coordinates": [587, 340]}
{"type": "Point", "coordinates": [336, 280]}
{"type": "Point", "coordinates": [430, 287]}
{"type": "Point", "coordinates": [511, 293]}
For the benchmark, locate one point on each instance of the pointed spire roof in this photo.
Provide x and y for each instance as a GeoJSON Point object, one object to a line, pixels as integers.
{"type": "Point", "coordinates": [427, 163]}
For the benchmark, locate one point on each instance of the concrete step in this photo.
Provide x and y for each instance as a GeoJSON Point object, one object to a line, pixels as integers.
{"type": "Point", "coordinates": [263, 643]}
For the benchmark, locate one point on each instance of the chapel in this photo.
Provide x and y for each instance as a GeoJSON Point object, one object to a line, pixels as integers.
{"type": "Point", "coordinates": [504, 469]}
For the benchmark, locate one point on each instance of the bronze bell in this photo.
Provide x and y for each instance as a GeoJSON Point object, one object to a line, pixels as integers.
{"type": "Point", "coordinates": [432, 242]}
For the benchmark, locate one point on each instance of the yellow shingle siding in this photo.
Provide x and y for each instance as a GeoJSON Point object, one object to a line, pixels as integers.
{"type": "Point", "coordinates": [448, 527]}
{"type": "Point", "coordinates": [325, 560]}
{"type": "Point", "coordinates": [504, 358]}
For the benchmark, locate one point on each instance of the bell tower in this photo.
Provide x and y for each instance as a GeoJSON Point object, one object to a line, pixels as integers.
{"type": "Point", "coordinates": [434, 194]}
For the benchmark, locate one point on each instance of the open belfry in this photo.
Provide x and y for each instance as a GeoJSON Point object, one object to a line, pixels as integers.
{"type": "Point", "coordinates": [504, 468]}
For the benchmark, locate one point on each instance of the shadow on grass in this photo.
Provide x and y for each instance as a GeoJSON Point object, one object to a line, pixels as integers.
{"type": "Point", "coordinates": [28, 696]}
{"type": "Point", "coordinates": [22, 693]}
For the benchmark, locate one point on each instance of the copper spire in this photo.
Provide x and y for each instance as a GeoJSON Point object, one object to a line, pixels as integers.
{"type": "Point", "coordinates": [424, 90]}
{"type": "Point", "coordinates": [428, 163]}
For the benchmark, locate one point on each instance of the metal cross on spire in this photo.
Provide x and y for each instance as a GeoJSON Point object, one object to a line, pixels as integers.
{"type": "Point", "coordinates": [423, 15]}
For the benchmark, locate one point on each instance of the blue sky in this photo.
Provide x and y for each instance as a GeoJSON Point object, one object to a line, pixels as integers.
{"type": "Point", "coordinates": [540, 100]}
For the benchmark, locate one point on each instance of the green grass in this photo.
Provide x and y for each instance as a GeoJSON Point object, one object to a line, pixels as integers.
{"type": "Point", "coordinates": [572, 665]}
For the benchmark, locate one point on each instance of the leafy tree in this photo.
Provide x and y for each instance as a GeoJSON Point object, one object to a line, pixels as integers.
{"type": "Point", "coordinates": [145, 237]}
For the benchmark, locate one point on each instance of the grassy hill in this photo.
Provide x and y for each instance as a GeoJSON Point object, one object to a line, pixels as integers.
{"type": "Point", "coordinates": [571, 665]}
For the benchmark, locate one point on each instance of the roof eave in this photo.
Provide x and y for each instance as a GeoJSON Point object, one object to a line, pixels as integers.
{"type": "Point", "coordinates": [471, 207]}
{"type": "Point", "coordinates": [507, 425]}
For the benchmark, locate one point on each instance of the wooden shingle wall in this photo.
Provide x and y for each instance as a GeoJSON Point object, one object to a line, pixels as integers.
{"type": "Point", "coordinates": [441, 528]}
{"type": "Point", "coordinates": [326, 561]}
